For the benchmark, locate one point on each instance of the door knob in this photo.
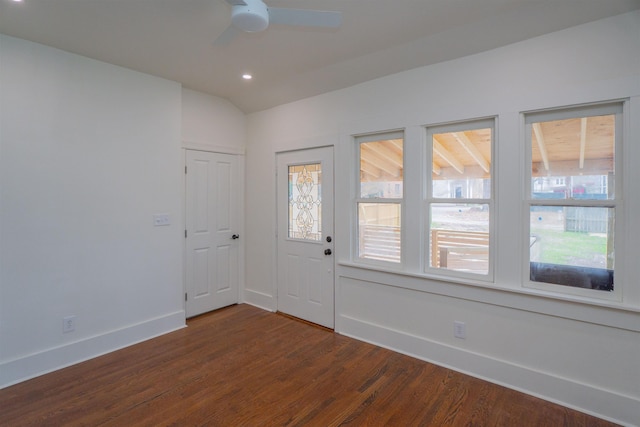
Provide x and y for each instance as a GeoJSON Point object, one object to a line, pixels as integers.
{"type": "Point", "coordinates": [327, 251]}
{"type": "Point", "coordinates": [235, 236]}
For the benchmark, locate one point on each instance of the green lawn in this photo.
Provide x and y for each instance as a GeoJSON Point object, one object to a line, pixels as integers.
{"type": "Point", "coordinates": [571, 248]}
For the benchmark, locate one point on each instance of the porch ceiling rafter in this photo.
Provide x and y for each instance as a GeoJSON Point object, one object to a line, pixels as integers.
{"type": "Point", "coordinates": [537, 130]}
{"type": "Point", "coordinates": [448, 156]}
{"type": "Point", "coordinates": [583, 140]}
{"type": "Point", "coordinates": [371, 157]}
{"type": "Point", "coordinates": [472, 150]}
{"type": "Point", "coordinates": [382, 148]}
{"type": "Point", "coordinates": [370, 169]}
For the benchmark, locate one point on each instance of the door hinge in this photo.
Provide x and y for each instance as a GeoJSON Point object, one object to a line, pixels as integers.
{"type": "Point", "coordinates": [185, 296]}
{"type": "Point", "coordinates": [185, 234]}
{"type": "Point", "coordinates": [185, 169]}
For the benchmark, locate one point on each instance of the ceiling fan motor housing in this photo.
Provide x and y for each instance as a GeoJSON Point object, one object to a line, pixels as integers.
{"type": "Point", "coordinates": [252, 17]}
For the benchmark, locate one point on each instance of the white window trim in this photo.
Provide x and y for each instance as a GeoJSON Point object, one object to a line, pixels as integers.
{"type": "Point", "coordinates": [618, 108]}
{"type": "Point", "coordinates": [428, 199]}
{"type": "Point", "coordinates": [356, 141]}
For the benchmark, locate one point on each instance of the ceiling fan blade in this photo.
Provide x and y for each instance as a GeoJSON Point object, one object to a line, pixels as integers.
{"type": "Point", "coordinates": [237, 2]}
{"type": "Point", "coordinates": [227, 35]}
{"type": "Point", "coordinates": [305, 18]}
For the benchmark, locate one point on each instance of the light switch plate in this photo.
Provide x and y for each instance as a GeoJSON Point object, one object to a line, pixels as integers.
{"type": "Point", "coordinates": [161, 219]}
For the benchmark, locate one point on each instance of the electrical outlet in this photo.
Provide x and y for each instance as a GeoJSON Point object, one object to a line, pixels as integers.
{"type": "Point", "coordinates": [459, 330]}
{"type": "Point", "coordinates": [161, 219]}
{"type": "Point", "coordinates": [68, 324]}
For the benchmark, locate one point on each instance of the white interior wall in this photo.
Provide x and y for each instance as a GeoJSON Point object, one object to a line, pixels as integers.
{"type": "Point", "coordinates": [89, 152]}
{"type": "Point", "coordinates": [211, 123]}
{"type": "Point", "coordinates": [584, 355]}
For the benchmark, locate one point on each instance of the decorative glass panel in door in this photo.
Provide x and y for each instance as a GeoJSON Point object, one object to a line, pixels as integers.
{"type": "Point", "coordinates": [305, 202]}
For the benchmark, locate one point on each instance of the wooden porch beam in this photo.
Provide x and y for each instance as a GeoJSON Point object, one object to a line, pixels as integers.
{"type": "Point", "coordinates": [383, 150]}
{"type": "Point", "coordinates": [537, 129]}
{"type": "Point", "coordinates": [375, 159]}
{"type": "Point", "coordinates": [473, 151]}
{"type": "Point", "coordinates": [369, 169]}
{"type": "Point", "coordinates": [448, 156]}
{"type": "Point", "coordinates": [396, 143]}
{"type": "Point", "coordinates": [583, 140]}
{"type": "Point", "coordinates": [570, 168]}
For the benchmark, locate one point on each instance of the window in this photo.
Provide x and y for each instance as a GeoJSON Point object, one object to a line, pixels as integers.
{"type": "Point", "coordinates": [380, 196]}
{"type": "Point", "coordinates": [305, 202]}
{"type": "Point", "coordinates": [459, 197]}
{"type": "Point", "coordinates": [573, 197]}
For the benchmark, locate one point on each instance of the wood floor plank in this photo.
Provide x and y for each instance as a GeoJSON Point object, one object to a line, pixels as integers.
{"type": "Point", "coordinates": [242, 366]}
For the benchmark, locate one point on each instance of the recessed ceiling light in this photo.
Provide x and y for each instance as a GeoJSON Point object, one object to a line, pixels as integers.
{"type": "Point", "coordinates": [247, 76]}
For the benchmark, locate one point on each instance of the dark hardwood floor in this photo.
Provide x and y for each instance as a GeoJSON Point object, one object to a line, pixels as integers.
{"type": "Point", "coordinates": [242, 366]}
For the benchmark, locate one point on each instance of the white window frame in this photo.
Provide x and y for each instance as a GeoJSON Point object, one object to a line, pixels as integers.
{"type": "Point", "coordinates": [616, 108]}
{"type": "Point", "coordinates": [372, 137]}
{"type": "Point", "coordinates": [428, 199]}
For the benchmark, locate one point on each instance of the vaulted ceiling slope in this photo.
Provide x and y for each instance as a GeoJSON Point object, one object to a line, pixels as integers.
{"type": "Point", "coordinates": [174, 39]}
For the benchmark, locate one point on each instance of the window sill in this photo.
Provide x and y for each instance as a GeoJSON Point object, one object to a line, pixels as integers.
{"type": "Point", "coordinates": [601, 312]}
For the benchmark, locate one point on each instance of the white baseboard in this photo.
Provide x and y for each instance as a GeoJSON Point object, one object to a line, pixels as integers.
{"type": "Point", "coordinates": [260, 300]}
{"type": "Point", "coordinates": [585, 398]}
{"type": "Point", "coordinates": [24, 368]}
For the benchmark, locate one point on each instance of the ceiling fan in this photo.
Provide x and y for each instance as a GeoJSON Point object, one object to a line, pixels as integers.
{"type": "Point", "coordinates": [252, 16]}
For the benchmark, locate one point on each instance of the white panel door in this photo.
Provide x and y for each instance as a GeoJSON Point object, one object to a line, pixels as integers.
{"type": "Point", "coordinates": [212, 265]}
{"type": "Point", "coordinates": [305, 235]}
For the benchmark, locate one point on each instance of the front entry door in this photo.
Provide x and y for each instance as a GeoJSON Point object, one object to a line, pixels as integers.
{"type": "Point", "coordinates": [305, 235]}
{"type": "Point", "coordinates": [211, 231]}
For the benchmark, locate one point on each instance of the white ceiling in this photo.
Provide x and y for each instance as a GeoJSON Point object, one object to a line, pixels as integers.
{"type": "Point", "coordinates": [174, 39]}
